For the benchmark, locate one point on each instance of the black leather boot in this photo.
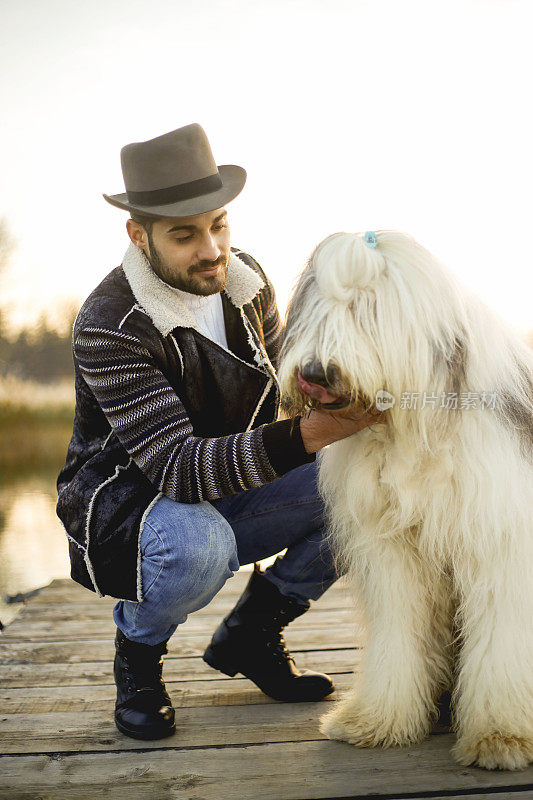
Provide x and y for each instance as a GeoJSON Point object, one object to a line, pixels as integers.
{"type": "Point", "coordinates": [143, 709]}
{"type": "Point", "coordinates": [249, 641]}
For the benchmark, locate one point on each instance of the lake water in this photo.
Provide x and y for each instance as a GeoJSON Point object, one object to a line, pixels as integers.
{"type": "Point", "coordinates": [33, 544]}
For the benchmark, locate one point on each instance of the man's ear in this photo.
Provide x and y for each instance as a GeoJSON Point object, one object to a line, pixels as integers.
{"type": "Point", "coordinates": [137, 234]}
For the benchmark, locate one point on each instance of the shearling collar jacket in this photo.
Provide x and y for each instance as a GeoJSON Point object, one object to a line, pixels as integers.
{"type": "Point", "coordinates": [163, 410]}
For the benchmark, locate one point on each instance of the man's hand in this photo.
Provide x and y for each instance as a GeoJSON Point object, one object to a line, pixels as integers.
{"type": "Point", "coordinates": [324, 427]}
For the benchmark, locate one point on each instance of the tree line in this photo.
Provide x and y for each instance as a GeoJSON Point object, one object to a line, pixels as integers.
{"type": "Point", "coordinates": [40, 352]}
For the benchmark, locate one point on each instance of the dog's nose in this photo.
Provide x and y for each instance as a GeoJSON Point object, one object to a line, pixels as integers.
{"type": "Point", "coordinates": [314, 372]}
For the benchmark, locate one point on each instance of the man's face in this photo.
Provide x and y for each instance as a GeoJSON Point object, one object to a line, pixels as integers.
{"type": "Point", "coordinates": [189, 253]}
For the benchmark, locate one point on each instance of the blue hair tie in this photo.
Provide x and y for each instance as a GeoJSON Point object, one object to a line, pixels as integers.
{"type": "Point", "coordinates": [371, 239]}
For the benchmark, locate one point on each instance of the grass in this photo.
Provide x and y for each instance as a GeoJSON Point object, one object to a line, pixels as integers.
{"type": "Point", "coordinates": [35, 426]}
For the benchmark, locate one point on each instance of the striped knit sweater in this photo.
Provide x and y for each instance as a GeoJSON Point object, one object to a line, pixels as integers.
{"type": "Point", "coordinates": [151, 421]}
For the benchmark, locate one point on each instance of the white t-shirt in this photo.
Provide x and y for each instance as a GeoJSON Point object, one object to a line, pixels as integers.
{"type": "Point", "coordinates": [208, 314]}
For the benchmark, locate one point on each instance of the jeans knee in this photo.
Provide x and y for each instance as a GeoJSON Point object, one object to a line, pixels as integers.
{"type": "Point", "coordinates": [215, 553]}
{"type": "Point", "coordinates": [204, 558]}
{"type": "Point", "coordinates": [188, 553]}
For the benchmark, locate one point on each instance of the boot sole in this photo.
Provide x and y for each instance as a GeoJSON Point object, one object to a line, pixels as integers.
{"type": "Point", "coordinates": [228, 668]}
{"type": "Point", "coordinates": [145, 735]}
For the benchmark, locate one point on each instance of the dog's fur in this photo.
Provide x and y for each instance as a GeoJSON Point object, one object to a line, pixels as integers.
{"type": "Point", "coordinates": [431, 513]}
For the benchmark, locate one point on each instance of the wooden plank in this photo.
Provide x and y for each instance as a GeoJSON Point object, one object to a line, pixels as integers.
{"type": "Point", "coordinates": [299, 771]}
{"type": "Point", "coordinates": [196, 727]}
{"type": "Point", "coordinates": [101, 608]}
{"type": "Point", "coordinates": [65, 591]}
{"type": "Point", "coordinates": [138, 793]}
{"type": "Point", "coordinates": [181, 644]}
{"type": "Point", "coordinates": [205, 726]}
{"type": "Point", "coordinates": [89, 613]}
{"type": "Point", "coordinates": [222, 691]}
{"type": "Point", "coordinates": [508, 794]}
{"type": "Point", "coordinates": [184, 669]}
{"type": "Point", "coordinates": [71, 627]}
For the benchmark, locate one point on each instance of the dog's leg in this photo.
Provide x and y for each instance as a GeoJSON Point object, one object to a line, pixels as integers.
{"type": "Point", "coordinates": [494, 691]}
{"type": "Point", "coordinates": [405, 663]}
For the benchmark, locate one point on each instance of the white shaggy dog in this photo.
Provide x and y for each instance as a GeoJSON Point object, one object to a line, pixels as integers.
{"type": "Point", "coordinates": [431, 514]}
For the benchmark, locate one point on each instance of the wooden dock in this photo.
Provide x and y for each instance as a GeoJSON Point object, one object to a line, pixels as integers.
{"type": "Point", "coordinates": [58, 740]}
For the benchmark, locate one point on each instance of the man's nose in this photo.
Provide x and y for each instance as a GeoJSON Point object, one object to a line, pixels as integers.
{"type": "Point", "coordinates": [209, 249]}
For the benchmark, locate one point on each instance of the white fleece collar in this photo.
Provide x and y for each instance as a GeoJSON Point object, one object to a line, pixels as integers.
{"type": "Point", "coordinates": [164, 307]}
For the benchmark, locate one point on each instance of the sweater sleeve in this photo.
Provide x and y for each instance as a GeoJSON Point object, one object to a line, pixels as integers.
{"type": "Point", "coordinates": [152, 424]}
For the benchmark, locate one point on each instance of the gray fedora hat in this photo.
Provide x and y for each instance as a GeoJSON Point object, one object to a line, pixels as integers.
{"type": "Point", "coordinates": [175, 175]}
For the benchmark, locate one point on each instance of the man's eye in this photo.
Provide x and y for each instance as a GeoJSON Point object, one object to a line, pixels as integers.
{"type": "Point", "coordinates": [184, 239]}
{"type": "Point", "coordinates": [220, 226]}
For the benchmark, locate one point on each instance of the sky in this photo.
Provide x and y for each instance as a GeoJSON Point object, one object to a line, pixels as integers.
{"type": "Point", "coordinates": [347, 115]}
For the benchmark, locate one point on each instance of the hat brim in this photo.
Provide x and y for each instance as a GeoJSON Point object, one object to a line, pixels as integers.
{"type": "Point", "coordinates": [233, 180]}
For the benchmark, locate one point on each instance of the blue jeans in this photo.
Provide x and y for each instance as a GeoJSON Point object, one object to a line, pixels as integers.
{"type": "Point", "coordinates": [189, 550]}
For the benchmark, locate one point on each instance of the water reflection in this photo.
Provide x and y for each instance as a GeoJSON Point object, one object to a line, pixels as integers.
{"type": "Point", "coordinates": [33, 545]}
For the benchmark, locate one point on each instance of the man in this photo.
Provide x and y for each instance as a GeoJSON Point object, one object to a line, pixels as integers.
{"type": "Point", "coordinates": [178, 472]}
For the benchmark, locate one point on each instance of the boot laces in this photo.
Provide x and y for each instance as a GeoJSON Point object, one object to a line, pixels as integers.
{"type": "Point", "coordinates": [145, 675]}
{"type": "Point", "coordinates": [274, 630]}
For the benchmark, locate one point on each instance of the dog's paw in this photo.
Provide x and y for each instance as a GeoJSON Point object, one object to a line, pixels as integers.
{"type": "Point", "coordinates": [349, 722]}
{"type": "Point", "coordinates": [344, 726]}
{"type": "Point", "coordinates": [494, 751]}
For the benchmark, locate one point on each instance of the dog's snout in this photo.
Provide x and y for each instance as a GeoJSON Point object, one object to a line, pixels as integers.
{"type": "Point", "coordinates": [314, 372]}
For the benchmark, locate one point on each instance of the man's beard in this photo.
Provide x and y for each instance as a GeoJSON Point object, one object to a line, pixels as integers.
{"type": "Point", "coordinates": [190, 282]}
